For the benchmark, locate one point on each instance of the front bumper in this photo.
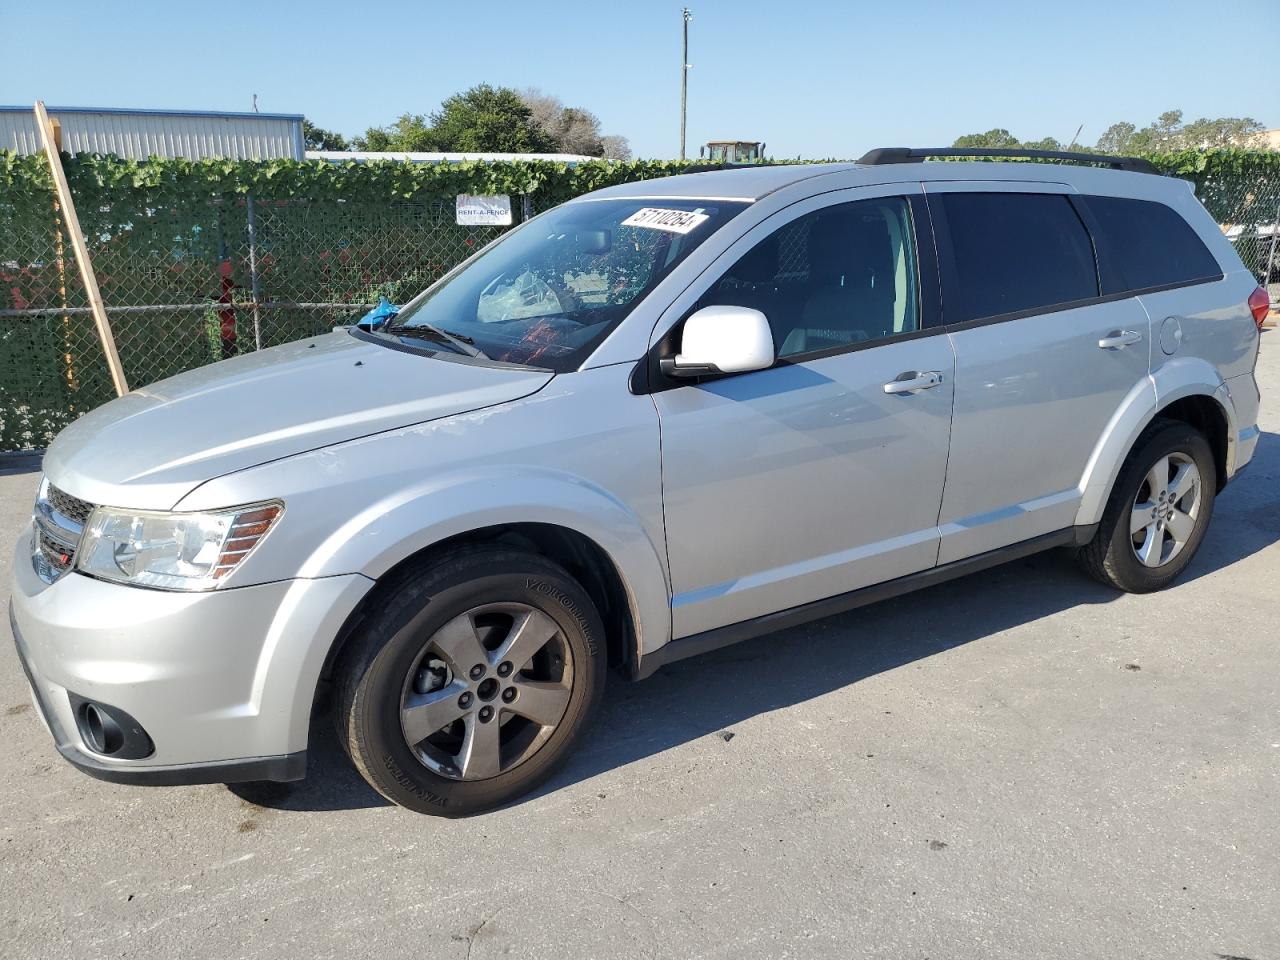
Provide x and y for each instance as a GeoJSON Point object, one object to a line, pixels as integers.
{"type": "Point", "coordinates": [222, 682]}
{"type": "Point", "coordinates": [292, 766]}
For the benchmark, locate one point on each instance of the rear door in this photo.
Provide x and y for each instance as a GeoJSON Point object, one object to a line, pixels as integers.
{"type": "Point", "coordinates": [1158, 257]}
{"type": "Point", "coordinates": [1043, 362]}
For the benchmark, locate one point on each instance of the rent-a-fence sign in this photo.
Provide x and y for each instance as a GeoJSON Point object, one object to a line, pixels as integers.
{"type": "Point", "coordinates": [492, 211]}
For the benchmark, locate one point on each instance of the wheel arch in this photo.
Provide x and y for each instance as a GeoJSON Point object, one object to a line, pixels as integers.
{"type": "Point", "coordinates": [1187, 390]}
{"type": "Point", "coordinates": [586, 560]}
{"type": "Point", "coordinates": [1207, 415]}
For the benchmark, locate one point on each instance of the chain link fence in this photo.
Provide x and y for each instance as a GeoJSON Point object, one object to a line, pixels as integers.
{"type": "Point", "coordinates": [1248, 211]}
{"type": "Point", "coordinates": [52, 367]}
{"type": "Point", "coordinates": [192, 284]}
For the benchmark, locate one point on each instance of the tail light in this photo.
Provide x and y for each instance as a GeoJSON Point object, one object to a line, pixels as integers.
{"type": "Point", "coordinates": [1259, 305]}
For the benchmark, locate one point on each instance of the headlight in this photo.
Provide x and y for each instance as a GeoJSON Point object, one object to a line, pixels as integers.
{"type": "Point", "coordinates": [172, 551]}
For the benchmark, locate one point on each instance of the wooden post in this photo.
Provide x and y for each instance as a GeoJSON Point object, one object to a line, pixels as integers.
{"type": "Point", "coordinates": [81, 249]}
{"type": "Point", "coordinates": [60, 251]}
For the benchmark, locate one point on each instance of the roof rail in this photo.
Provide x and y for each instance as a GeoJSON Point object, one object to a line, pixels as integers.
{"type": "Point", "coordinates": [918, 154]}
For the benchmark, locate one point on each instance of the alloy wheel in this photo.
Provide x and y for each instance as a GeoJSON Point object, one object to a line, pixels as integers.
{"type": "Point", "coordinates": [1165, 509]}
{"type": "Point", "coordinates": [487, 691]}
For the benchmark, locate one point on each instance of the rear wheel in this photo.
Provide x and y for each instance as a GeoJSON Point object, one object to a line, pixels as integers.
{"type": "Point", "coordinates": [1158, 512]}
{"type": "Point", "coordinates": [473, 681]}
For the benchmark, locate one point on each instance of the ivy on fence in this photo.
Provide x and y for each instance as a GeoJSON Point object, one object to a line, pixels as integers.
{"type": "Point", "coordinates": [171, 250]}
{"type": "Point", "coordinates": [157, 182]}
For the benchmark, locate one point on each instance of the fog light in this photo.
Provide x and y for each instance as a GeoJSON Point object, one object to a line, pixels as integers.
{"type": "Point", "coordinates": [109, 731]}
{"type": "Point", "coordinates": [101, 732]}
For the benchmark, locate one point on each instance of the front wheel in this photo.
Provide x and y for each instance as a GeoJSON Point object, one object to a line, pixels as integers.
{"type": "Point", "coordinates": [472, 682]}
{"type": "Point", "coordinates": [1158, 512]}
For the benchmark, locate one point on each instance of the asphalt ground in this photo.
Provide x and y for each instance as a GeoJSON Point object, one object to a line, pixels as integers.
{"type": "Point", "coordinates": [1017, 764]}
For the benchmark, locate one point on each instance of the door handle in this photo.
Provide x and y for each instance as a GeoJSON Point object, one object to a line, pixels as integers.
{"type": "Point", "coordinates": [1119, 339]}
{"type": "Point", "coordinates": [913, 381]}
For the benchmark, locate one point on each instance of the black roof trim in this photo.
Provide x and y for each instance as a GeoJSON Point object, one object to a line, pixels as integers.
{"type": "Point", "coordinates": [883, 155]}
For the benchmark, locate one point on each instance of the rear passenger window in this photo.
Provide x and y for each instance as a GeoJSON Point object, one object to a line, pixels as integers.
{"type": "Point", "coordinates": [1015, 252]}
{"type": "Point", "coordinates": [1146, 244]}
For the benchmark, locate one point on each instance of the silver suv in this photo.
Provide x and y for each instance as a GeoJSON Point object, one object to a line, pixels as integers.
{"type": "Point", "coordinates": [653, 421]}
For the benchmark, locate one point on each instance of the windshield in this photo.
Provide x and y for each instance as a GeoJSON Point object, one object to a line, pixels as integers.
{"type": "Point", "coordinates": [552, 289]}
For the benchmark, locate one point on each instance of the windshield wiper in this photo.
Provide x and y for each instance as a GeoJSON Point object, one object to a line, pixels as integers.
{"type": "Point", "coordinates": [464, 345]}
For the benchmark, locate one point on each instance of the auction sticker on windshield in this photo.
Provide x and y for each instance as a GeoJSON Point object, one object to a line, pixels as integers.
{"type": "Point", "coordinates": [658, 218]}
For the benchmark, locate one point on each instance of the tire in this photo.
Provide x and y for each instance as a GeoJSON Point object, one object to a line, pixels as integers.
{"type": "Point", "coordinates": [411, 664]}
{"type": "Point", "coordinates": [1115, 556]}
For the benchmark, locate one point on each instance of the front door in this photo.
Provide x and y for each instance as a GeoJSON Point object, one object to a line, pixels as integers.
{"type": "Point", "coordinates": [825, 472]}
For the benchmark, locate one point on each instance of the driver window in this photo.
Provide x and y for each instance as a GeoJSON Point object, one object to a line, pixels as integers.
{"type": "Point", "coordinates": [836, 277]}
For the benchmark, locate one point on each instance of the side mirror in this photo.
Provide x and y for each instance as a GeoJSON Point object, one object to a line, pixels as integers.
{"type": "Point", "coordinates": [722, 339]}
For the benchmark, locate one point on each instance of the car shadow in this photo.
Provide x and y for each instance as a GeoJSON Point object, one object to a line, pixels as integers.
{"type": "Point", "coordinates": [711, 693]}
{"type": "Point", "coordinates": [332, 783]}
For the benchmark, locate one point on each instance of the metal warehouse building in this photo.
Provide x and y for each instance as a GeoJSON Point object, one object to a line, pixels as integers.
{"type": "Point", "coordinates": [137, 134]}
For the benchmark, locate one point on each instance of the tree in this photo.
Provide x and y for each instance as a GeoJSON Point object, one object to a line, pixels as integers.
{"type": "Point", "coordinates": [1223, 132]}
{"type": "Point", "coordinates": [1160, 136]}
{"type": "Point", "coordinates": [1168, 133]}
{"type": "Point", "coordinates": [484, 119]}
{"type": "Point", "coordinates": [487, 119]}
{"type": "Point", "coordinates": [544, 108]}
{"type": "Point", "coordinates": [1001, 139]}
{"type": "Point", "coordinates": [996, 139]}
{"type": "Point", "coordinates": [615, 147]}
{"type": "Point", "coordinates": [318, 138]}
{"type": "Point", "coordinates": [410, 132]}
{"type": "Point", "coordinates": [573, 129]}
{"type": "Point", "coordinates": [579, 132]}
{"type": "Point", "coordinates": [1115, 139]}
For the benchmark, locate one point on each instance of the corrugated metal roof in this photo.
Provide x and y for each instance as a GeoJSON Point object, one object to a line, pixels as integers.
{"type": "Point", "coordinates": [137, 134]}
{"type": "Point", "coordinates": [157, 112]}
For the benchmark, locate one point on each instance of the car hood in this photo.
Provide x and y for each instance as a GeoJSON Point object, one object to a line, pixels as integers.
{"type": "Point", "coordinates": [151, 447]}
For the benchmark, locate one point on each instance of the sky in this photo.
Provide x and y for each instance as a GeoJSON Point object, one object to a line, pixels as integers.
{"type": "Point", "coordinates": [811, 79]}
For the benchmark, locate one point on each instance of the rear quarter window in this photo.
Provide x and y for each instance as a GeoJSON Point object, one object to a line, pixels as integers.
{"type": "Point", "coordinates": [1146, 244]}
{"type": "Point", "coordinates": [1014, 253]}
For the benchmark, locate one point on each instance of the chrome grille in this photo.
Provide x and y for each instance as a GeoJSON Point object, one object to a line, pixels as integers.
{"type": "Point", "coordinates": [73, 508]}
{"type": "Point", "coordinates": [59, 524]}
{"type": "Point", "coordinates": [57, 555]}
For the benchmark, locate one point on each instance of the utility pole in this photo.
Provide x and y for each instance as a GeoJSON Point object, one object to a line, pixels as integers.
{"type": "Point", "coordinates": [684, 77]}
